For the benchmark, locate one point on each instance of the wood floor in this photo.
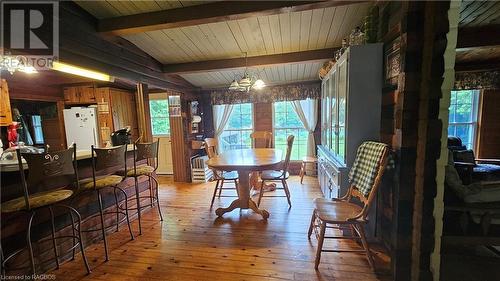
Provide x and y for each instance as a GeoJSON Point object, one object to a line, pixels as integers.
{"type": "Point", "coordinates": [193, 244]}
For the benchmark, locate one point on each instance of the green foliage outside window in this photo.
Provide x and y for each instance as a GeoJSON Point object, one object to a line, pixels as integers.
{"type": "Point", "coordinates": [286, 122]}
{"type": "Point", "coordinates": [463, 115]}
{"type": "Point", "coordinates": [160, 122]}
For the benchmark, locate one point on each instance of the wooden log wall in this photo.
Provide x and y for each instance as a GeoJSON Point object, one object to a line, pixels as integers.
{"type": "Point", "coordinates": [410, 124]}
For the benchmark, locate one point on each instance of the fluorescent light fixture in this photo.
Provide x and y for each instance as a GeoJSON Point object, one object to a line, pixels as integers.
{"type": "Point", "coordinates": [64, 67]}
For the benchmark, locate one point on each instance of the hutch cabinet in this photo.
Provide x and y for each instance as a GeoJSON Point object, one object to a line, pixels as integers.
{"type": "Point", "coordinates": [351, 96]}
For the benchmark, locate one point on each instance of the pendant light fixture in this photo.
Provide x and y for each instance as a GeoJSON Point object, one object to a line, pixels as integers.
{"type": "Point", "coordinates": [246, 82]}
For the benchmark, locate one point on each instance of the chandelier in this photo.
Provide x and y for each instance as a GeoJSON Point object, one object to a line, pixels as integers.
{"type": "Point", "coordinates": [247, 82]}
{"type": "Point", "coordinates": [18, 63]}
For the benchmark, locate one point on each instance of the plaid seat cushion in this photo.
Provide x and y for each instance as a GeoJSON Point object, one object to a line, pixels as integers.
{"type": "Point", "coordinates": [364, 170]}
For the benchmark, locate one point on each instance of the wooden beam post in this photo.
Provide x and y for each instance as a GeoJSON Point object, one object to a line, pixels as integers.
{"type": "Point", "coordinates": [143, 115]}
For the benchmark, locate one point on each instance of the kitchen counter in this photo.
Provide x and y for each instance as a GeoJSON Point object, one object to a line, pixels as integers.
{"type": "Point", "coordinates": [12, 165]}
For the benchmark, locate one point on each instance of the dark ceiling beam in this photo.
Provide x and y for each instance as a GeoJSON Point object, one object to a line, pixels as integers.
{"type": "Point", "coordinates": [82, 46]}
{"type": "Point", "coordinates": [266, 60]}
{"type": "Point", "coordinates": [477, 66]}
{"type": "Point", "coordinates": [479, 36]}
{"type": "Point", "coordinates": [207, 13]}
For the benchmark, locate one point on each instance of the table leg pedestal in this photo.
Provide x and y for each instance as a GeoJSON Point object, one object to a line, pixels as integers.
{"type": "Point", "coordinates": [244, 201]}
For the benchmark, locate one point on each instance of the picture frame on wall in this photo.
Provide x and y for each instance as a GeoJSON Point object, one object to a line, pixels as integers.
{"type": "Point", "coordinates": [392, 61]}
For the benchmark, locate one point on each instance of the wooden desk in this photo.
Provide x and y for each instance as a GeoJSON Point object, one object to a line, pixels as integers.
{"type": "Point", "coordinates": [245, 161]}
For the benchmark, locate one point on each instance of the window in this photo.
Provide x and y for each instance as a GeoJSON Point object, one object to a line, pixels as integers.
{"type": "Point", "coordinates": [463, 116]}
{"type": "Point", "coordinates": [36, 121]}
{"type": "Point", "coordinates": [238, 128]}
{"type": "Point", "coordinates": [286, 122]}
{"type": "Point", "coordinates": [160, 122]}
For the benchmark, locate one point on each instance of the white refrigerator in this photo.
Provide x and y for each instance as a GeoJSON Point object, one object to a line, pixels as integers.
{"type": "Point", "coordinates": [81, 127]}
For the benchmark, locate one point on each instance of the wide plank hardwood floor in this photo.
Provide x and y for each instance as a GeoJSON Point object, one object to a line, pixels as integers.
{"type": "Point", "coordinates": [193, 244]}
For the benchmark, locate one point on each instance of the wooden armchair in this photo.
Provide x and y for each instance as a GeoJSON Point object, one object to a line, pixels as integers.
{"type": "Point", "coordinates": [342, 213]}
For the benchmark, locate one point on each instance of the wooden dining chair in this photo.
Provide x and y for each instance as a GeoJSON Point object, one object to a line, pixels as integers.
{"type": "Point", "coordinates": [280, 175]}
{"type": "Point", "coordinates": [264, 137]}
{"type": "Point", "coordinates": [341, 213]}
{"type": "Point", "coordinates": [220, 176]}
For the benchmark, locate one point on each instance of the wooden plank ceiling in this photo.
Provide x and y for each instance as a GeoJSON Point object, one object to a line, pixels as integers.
{"type": "Point", "coordinates": [257, 36]}
{"type": "Point", "coordinates": [479, 36]}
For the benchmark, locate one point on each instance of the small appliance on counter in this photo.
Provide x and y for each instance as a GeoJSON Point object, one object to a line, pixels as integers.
{"type": "Point", "coordinates": [121, 137]}
{"type": "Point", "coordinates": [81, 127]}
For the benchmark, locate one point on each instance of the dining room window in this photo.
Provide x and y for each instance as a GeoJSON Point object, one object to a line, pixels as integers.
{"type": "Point", "coordinates": [463, 114]}
{"type": "Point", "coordinates": [160, 122]}
{"type": "Point", "coordinates": [286, 122]}
{"type": "Point", "coordinates": [236, 135]}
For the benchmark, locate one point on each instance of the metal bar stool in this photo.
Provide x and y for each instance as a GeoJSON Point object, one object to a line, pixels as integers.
{"type": "Point", "coordinates": [45, 188]}
{"type": "Point", "coordinates": [104, 159]}
{"type": "Point", "coordinates": [281, 175]}
{"type": "Point", "coordinates": [220, 176]}
{"type": "Point", "coordinates": [149, 153]}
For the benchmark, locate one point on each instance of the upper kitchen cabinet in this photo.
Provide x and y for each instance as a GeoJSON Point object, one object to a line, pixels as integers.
{"type": "Point", "coordinates": [5, 110]}
{"type": "Point", "coordinates": [80, 95]}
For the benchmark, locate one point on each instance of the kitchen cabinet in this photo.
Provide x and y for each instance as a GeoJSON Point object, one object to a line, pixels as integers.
{"type": "Point", "coordinates": [123, 109]}
{"type": "Point", "coordinates": [351, 98]}
{"type": "Point", "coordinates": [5, 109]}
{"type": "Point", "coordinates": [79, 95]}
{"type": "Point", "coordinates": [116, 108]}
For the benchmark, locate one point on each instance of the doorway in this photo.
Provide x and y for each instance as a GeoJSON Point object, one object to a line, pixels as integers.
{"type": "Point", "coordinates": [160, 124]}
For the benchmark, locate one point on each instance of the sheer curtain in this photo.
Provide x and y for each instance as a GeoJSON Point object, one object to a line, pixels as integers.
{"type": "Point", "coordinates": [221, 116]}
{"type": "Point", "coordinates": [307, 110]}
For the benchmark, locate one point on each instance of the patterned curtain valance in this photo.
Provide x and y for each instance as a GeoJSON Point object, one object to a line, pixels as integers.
{"type": "Point", "coordinates": [477, 80]}
{"type": "Point", "coordinates": [268, 94]}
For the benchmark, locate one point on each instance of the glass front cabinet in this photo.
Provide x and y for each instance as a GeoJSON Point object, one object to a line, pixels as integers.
{"type": "Point", "coordinates": [350, 114]}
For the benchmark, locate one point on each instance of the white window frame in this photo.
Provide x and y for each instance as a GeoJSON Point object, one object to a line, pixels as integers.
{"type": "Point", "coordinates": [287, 128]}
{"type": "Point", "coordinates": [168, 116]}
{"type": "Point", "coordinates": [251, 129]}
{"type": "Point", "coordinates": [475, 117]}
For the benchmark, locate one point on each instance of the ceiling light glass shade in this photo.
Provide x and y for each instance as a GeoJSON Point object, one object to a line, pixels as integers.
{"type": "Point", "coordinates": [245, 81]}
{"type": "Point", "coordinates": [234, 85]}
{"type": "Point", "coordinates": [259, 84]}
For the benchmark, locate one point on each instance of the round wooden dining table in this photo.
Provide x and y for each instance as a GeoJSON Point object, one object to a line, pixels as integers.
{"type": "Point", "coordinates": [245, 161]}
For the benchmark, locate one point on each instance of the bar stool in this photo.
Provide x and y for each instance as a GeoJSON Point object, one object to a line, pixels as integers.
{"type": "Point", "coordinates": [44, 172]}
{"type": "Point", "coordinates": [281, 175]}
{"type": "Point", "coordinates": [104, 159]}
{"type": "Point", "coordinates": [220, 176]}
{"type": "Point", "coordinates": [148, 152]}
{"type": "Point", "coordinates": [306, 160]}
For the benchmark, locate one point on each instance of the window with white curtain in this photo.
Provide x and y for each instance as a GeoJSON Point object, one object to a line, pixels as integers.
{"type": "Point", "coordinates": [236, 135]}
{"type": "Point", "coordinates": [463, 116]}
{"type": "Point", "coordinates": [286, 122]}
